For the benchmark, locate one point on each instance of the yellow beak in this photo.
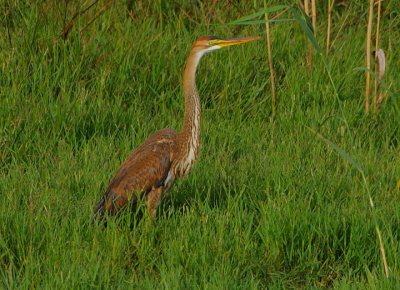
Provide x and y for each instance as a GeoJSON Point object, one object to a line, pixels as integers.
{"type": "Point", "coordinates": [233, 41]}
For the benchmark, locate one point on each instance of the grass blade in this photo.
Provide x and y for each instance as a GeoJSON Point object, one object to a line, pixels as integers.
{"type": "Point", "coordinates": [340, 151]}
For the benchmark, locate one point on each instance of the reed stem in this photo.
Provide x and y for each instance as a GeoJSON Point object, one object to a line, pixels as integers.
{"type": "Point", "coordinates": [376, 85]}
{"type": "Point", "coordinates": [328, 30]}
{"type": "Point", "coordinates": [271, 67]}
{"type": "Point", "coordinates": [309, 48]}
{"type": "Point", "coordinates": [368, 55]}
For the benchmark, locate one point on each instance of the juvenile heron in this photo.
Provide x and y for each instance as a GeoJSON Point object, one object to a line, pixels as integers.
{"type": "Point", "coordinates": [153, 167]}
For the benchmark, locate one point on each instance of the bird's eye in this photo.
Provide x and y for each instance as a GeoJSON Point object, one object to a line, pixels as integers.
{"type": "Point", "coordinates": [210, 43]}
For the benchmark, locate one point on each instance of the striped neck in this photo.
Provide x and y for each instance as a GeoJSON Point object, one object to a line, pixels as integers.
{"type": "Point", "coordinates": [190, 133]}
{"type": "Point", "coordinates": [192, 98]}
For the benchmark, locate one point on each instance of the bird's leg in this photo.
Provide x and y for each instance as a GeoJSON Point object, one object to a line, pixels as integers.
{"type": "Point", "coordinates": [154, 198]}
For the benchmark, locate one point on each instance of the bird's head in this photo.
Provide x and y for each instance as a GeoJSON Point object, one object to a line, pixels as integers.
{"type": "Point", "coordinates": [210, 43]}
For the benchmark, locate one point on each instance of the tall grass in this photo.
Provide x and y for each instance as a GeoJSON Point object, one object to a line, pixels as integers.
{"type": "Point", "coordinates": [266, 204]}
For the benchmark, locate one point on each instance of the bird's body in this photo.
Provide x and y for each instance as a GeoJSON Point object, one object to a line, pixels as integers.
{"type": "Point", "coordinates": [151, 170]}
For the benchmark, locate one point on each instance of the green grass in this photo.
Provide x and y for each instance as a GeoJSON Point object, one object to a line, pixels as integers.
{"type": "Point", "coordinates": [267, 204]}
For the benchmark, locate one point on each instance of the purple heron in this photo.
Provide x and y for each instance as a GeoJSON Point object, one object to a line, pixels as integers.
{"type": "Point", "coordinates": [153, 167]}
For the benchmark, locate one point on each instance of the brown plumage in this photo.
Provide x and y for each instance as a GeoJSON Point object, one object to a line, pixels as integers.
{"type": "Point", "coordinates": [153, 167]}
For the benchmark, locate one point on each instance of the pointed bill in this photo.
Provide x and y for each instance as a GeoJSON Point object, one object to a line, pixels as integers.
{"type": "Point", "coordinates": [233, 41]}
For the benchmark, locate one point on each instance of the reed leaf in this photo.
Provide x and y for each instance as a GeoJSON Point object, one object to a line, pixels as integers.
{"type": "Point", "coordinates": [261, 12]}
{"type": "Point", "coordinates": [260, 22]}
{"type": "Point", "coordinates": [305, 24]}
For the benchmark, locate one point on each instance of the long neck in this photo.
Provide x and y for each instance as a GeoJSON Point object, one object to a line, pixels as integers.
{"type": "Point", "coordinates": [191, 125]}
{"type": "Point", "coordinates": [189, 137]}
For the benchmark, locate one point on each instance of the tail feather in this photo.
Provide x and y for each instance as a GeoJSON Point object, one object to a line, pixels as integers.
{"type": "Point", "coordinates": [100, 210]}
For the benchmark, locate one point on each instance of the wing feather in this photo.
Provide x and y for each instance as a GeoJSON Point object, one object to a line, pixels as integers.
{"type": "Point", "coordinates": [146, 168]}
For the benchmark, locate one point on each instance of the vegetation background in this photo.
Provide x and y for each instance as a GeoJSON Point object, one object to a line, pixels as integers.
{"type": "Point", "coordinates": [267, 204]}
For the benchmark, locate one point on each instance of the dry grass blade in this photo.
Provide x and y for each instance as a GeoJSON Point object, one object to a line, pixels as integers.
{"type": "Point", "coordinates": [280, 13]}
{"type": "Point", "coordinates": [216, 15]}
{"type": "Point", "coordinates": [271, 67]}
{"type": "Point", "coordinates": [340, 29]}
{"type": "Point", "coordinates": [101, 11]}
{"type": "Point", "coordinates": [68, 27]}
{"type": "Point", "coordinates": [383, 252]}
{"type": "Point", "coordinates": [210, 12]}
{"type": "Point", "coordinates": [368, 55]}
{"type": "Point", "coordinates": [189, 17]}
{"type": "Point", "coordinates": [301, 4]}
{"type": "Point", "coordinates": [222, 21]}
